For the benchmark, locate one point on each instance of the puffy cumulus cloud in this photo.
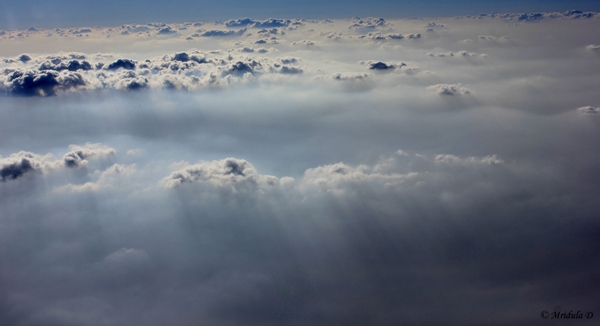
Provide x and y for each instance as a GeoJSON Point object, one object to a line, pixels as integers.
{"type": "Point", "coordinates": [367, 23]}
{"type": "Point", "coordinates": [230, 173]}
{"type": "Point", "coordinates": [495, 39]}
{"type": "Point", "coordinates": [40, 83]}
{"type": "Point", "coordinates": [24, 58]}
{"type": "Point", "coordinates": [221, 33]}
{"type": "Point", "coordinates": [187, 70]}
{"type": "Point", "coordinates": [267, 23]}
{"type": "Point", "coordinates": [167, 30]}
{"type": "Point", "coordinates": [71, 65]}
{"type": "Point", "coordinates": [127, 80]}
{"type": "Point", "coordinates": [378, 65]}
{"type": "Point", "coordinates": [121, 64]}
{"type": "Point", "coordinates": [272, 22]}
{"type": "Point", "coordinates": [434, 27]}
{"type": "Point", "coordinates": [78, 155]}
{"type": "Point", "coordinates": [240, 22]}
{"type": "Point", "coordinates": [449, 89]}
{"type": "Point", "coordinates": [106, 180]}
{"type": "Point", "coordinates": [537, 16]}
{"type": "Point", "coordinates": [402, 172]}
{"type": "Point", "coordinates": [383, 37]}
{"type": "Point", "coordinates": [340, 178]}
{"type": "Point", "coordinates": [306, 43]}
{"type": "Point", "coordinates": [18, 164]}
{"type": "Point", "coordinates": [459, 54]}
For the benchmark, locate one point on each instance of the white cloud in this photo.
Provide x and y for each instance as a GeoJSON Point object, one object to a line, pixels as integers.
{"type": "Point", "coordinates": [449, 89]}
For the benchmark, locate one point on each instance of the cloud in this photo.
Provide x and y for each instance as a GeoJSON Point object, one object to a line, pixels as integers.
{"type": "Point", "coordinates": [40, 83]}
{"type": "Point", "coordinates": [383, 66]}
{"type": "Point", "coordinates": [213, 182]}
{"type": "Point", "coordinates": [72, 65]}
{"type": "Point", "coordinates": [306, 43]}
{"type": "Point", "coordinates": [367, 23]}
{"type": "Point", "coordinates": [24, 58]}
{"type": "Point", "coordinates": [121, 64]}
{"type": "Point", "coordinates": [17, 165]}
{"type": "Point", "coordinates": [240, 22]}
{"type": "Point", "coordinates": [593, 47]}
{"type": "Point", "coordinates": [229, 173]}
{"type": "Point", "coordinates": [434, 27]}
{"type": "Point", "coordinates": [168, 30]}
{"type": "Point", "coordinates": [537, 16]}
{"type": "Point", "coordinates": [449, 89]}
{"type": "Point", "coordinates": [271, 22]}
{"type": "Point", "coordinates": [78, 155]}
{"type": "Point", "coordinates": [221, 33]}
{"type": "Point", "coordinates": [464, 54]}
{"type": "Point", "coordinates": [588, 110]}
{"type": "Point", "coordinates": [107, 180]}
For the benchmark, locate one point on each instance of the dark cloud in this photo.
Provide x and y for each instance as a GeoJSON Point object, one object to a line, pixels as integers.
{"type": "Point", "coordinates": [72, 65]}
{"type": "Point", "coordinates": [78, 155]}
{"type": "Point", "coordinates": [130, 80]}
{"type": "Point", "coordinates": [16, 166]}
{"type": "Point", "coordinates": [290, 70]}
{"type": "Point", "coordinates": [246, 49]}
{"type": "Point", "coordinates": [271, 22]}
{"type": "Point", "coordinates": [221, 33]}
{"type": "Point", "coordinates": [121, 64]}
{"type": "Point", "coordinates": [538, 16]}
{"type": "Point", "coordinates": [78, 31]}
{"type": "Point", "coordinates": [241, 22]}
{"type": "Point", "coordinates": [24, 58]}
{"type": "Point", "coordinates": [40, 83]}
{"type": "Point", "coordinates": [168, 30]}
{"type": "Point", "coordinates": [380, 66]}
{"type": "Point", "coordinates": [367, 23]}
{"type": "Point", "coordinates": [135, 28]}
{"type": "Point", "coordinates": [240, 68]}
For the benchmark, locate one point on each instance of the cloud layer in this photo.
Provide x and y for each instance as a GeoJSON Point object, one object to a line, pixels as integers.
{"type": "Point", "coordinates": [362, 171]}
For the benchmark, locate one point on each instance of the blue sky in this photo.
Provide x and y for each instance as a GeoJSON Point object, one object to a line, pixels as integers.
{"type": "Point", "coordinates": [68, 13]}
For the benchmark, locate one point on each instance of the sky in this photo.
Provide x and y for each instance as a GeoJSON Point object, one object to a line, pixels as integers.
{"type": "Point", "coordinates": [299, 167]}
{"type": "Point", "coordinates": [73, 13]}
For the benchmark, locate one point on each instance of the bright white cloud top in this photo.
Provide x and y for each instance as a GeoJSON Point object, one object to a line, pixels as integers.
{"type": "Point", "coordinates": [360, 171]}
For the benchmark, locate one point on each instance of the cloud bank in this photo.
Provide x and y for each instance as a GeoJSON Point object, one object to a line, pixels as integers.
{"type": "Point", "coordinates": [362, 171]}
